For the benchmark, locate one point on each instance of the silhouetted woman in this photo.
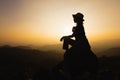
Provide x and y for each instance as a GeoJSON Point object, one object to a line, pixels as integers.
{"type": "Point", "coordinates": [79, 59]}
{"type": "Point", "coordinates": [78, 33]}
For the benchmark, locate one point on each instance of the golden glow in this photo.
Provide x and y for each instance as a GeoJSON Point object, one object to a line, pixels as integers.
{"type": "Point", "coordinates": [67, 30]}
{"type": "Point", "coordinates": [46, 21]}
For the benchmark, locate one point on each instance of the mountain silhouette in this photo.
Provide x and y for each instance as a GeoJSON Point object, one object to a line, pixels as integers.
{"type": "Point", "coordinates": [21, 63]}
{"type": "Point", "coordinates": [110, 52]}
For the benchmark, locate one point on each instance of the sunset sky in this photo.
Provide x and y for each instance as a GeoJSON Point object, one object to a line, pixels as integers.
{"type": "Point", "coordinates": [39, 22]}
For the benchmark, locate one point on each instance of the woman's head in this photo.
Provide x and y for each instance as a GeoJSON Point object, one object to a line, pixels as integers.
{"type": "Point", "coordinates": [78, 17]}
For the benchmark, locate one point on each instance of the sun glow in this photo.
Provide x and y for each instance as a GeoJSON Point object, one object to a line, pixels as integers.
{"type": "Point", "coordinates": [67, 30]}
{"type": "Point", "coordinates": [46, 21]}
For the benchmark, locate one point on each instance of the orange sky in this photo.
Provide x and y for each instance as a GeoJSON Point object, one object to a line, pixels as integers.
{"type": "Point", "coordinates": [46, 21]}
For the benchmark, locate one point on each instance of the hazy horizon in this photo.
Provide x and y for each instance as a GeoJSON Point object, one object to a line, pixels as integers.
{"type": "Point", "coordinates": [96, 46]}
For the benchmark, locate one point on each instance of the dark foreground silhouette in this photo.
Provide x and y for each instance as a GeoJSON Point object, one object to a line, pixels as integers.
{"type": "Point", "coordinates": [21, 63]}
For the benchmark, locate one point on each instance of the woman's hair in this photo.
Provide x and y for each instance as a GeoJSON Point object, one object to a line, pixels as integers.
{"type": "Point", "coordinates": [78, 17]}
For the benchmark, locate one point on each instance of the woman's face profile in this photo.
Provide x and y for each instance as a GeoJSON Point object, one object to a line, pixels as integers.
{"type": "Point", "coordinates": [77, 20]}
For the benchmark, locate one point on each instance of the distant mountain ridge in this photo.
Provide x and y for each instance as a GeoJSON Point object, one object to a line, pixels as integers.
{"type": "Point", "coordinates": [110, 52]}
{"type": "Point", "coordinates": [96, 46]}
{"type": "Point", "coordinates": [24, 54]}
{"type": "Point", "coordinates": [20, 62]}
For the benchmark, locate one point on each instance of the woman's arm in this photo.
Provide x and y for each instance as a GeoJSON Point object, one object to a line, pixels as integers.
{"type": "Point", "coordinates": [70, 36]}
